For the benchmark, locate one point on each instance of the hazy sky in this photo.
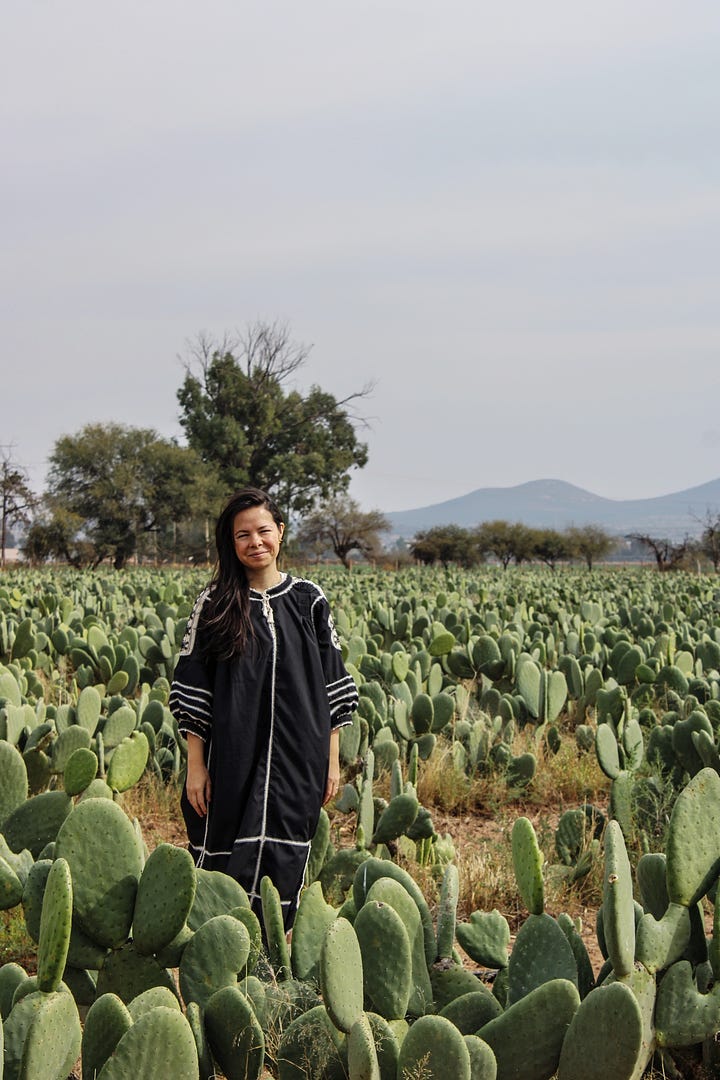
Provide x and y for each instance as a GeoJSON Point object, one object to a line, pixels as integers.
{"type": "Point", "coordinates": [506, 214]}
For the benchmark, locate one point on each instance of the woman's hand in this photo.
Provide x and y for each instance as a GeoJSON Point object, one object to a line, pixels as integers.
{"type": "Point", "coordinates": [333, 777]}
{"type": "Point", "coordinates": [197, 783]}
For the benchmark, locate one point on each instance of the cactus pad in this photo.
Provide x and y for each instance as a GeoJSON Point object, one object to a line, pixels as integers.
{"type": "Point", "coordinates": [165, 896]}
{"type": "Point", "coordinates": [100, 845]}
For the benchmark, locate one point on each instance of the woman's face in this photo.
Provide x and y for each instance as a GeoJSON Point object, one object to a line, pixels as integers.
{"type": "Point", "coordinates": [257, 541]}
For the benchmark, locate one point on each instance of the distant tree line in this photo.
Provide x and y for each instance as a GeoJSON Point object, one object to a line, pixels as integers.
{"type": "Point", "coordinates": [511, 542]}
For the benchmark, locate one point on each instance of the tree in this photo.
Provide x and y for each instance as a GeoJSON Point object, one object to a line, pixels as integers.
{"type": "Point", "coordinates": [118, 484]}
{"type": "Point", "coordinates": [445, 544]}
{"type": "Point", "coordinates": [505, 540]}
{"type": "Point", "coordinates": [343, 526]}
{"type": "Point", "coordinates": [668, 556]}
{"type": "Point", "coordinates": [240, 418]}
{"type": "Point", "coordinates": [550, 546]}
{"type": "Point", "coordinates": [710, 538]}
{"type": "Point", "coordinates": [56, 534]}
{"type": "Point", "coordinates": [590, 542]}
{"type": "Point", "coordinates": [16, 498]}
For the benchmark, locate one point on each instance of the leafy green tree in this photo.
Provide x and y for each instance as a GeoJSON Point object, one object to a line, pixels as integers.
{"type": "Point", "coordinates": [119, 484]}
{"type": "Point", "coordinates": [243, 421]}
{"type": "Point", "coordinates": [16, 498]}
{"type": "Point", "coordinates": [445, 544]}
{"type": "Point", "coordinates": [56, 534]}
{"type": "Point", "coordinates": [340, 524]}
{"type": "Point", "coordinates": [550, 546]}
{"type": "Point", "coordinates": [590, 543]}
{"type": "Point", "coordinates": [507, 541]}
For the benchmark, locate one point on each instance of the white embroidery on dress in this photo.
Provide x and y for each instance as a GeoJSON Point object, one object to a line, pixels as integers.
{"type": "Point", "coordinates": [188, 641]}
{"type": "Point", "coordinates": [333, 633]}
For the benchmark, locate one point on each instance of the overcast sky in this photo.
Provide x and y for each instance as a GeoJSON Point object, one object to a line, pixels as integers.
{"type": "Point", "coordinates": [506, 214]}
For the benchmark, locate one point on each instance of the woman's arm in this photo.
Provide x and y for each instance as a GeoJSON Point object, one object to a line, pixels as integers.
{"type": "Point", "coordinates": [333, 777]}
{"type": "Point", "coordinates": [197, 783]}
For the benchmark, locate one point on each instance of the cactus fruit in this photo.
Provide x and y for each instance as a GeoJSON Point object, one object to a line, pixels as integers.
{"type": "Point", "coordinates": [55, 926]}
{"type": "Point", "coordinates": [527, 863]}
{"type": "Point", "coordinates": [485, 938]}
{"type": "Point", "coordinates": [436, 1046]}
{"type": "Point", "coordinates": [386, 958]}
{"type": "Point", "coordinates": [234, 1034]}
{"type": "Point", "coordinates": [341, 975]}
{"type": "Point", "coordinates": [605, 1036]}
{"type": "Point", "coordinates": [543, 1018]}
{"type": "Point", "coordinates": [100, 845]}
{"type": "Point", "coordinates": [160, 1043]}
{"type": "Point", "coordinates": [541, 952]}
{"type": "Point", "coordinates": [213, 957]}
{"type": "Point", "coordinates": [165, 896]}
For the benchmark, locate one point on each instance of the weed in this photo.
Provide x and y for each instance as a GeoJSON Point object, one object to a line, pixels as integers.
{"type": "Point", "coordinates": [16, 946]}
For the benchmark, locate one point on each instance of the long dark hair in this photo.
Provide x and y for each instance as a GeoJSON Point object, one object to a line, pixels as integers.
{"type": "Point", "coordinates": [228, 606]}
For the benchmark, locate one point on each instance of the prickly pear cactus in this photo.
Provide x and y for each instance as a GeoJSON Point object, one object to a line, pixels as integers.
{"type": "Point", "coordinates": [55, 926]}
{"type": "Point", "coordinates": [160, 1043]}
{"type": "Point", "coordinates": [436, 1046]}
{"type": "Point", "coordinates": [341, 975]}
{"type": "Point", "coordinates": [165, 896]}
{"type": "Point", "coordinates": [101, 848]}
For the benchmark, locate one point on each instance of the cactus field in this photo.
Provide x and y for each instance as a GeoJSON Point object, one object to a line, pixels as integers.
{"type": "Point", "coordinates": [517, 880]}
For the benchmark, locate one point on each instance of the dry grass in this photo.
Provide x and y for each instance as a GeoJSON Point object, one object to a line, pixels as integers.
{"type": "Point", "coordinates": [156, 805]}
{"type": "Point", "coordinates": [16, 947]}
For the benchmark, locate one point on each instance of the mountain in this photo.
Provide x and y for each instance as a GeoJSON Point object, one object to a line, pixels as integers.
{"type": "Point", "coordinates": [556, 504]}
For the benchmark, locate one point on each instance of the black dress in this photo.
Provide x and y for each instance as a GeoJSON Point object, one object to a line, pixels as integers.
{"type": "Point", "coordinates": [265, 717]}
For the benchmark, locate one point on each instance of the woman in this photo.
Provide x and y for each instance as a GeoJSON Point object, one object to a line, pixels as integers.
{"type": "Point", "coordinates": [260, 692]}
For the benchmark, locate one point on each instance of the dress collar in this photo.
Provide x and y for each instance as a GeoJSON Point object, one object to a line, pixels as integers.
{"type": "Point", "coordinates": [281, 585]}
